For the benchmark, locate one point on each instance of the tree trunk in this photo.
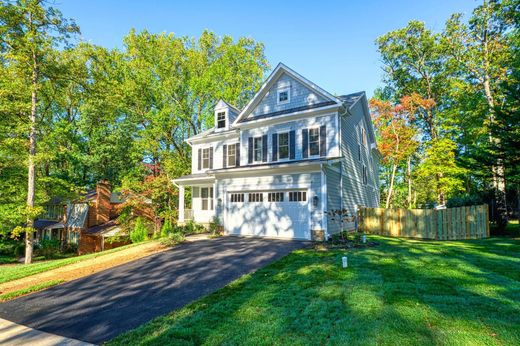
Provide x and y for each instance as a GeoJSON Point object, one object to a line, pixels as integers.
{"type": "Point", "coordinates": [29, 233]}
{"type": "Point", "coordinates": [391, 188]}
{"type": "Point", "coordinates": [409, 177]}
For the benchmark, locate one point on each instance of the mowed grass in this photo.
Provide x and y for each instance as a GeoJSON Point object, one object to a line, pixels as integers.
{"type": "Point", "coordinates": [402, 292]}
{"type": "Point", "coordinates": [18, 271]}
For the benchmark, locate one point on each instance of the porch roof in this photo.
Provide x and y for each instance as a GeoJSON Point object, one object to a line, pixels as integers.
{"type": "Point", "coordinates": [198, 178]}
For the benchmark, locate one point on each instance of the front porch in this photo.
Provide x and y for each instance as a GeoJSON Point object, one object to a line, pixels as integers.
{"type": "Point", "coordinates": [203, 201]}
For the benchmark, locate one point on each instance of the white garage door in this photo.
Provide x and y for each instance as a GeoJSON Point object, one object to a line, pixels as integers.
{"type": "Point", "coordinates": [277, 213]}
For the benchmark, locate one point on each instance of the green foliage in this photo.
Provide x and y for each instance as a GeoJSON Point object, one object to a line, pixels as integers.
{"type": "Point", "coordinates": [48, 248]}
{"type": "Point", "coordinates": [215, 226]}
{"type": "Point", "coordinates": [166, 228]}
{"type": "Point", "coordinates": [140, 232]}
{"type": "Point", "coordinates": [191, 227]}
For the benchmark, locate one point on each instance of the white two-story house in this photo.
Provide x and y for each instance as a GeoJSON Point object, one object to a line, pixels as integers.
{"type": "Point", "coordinates": [277, 166]}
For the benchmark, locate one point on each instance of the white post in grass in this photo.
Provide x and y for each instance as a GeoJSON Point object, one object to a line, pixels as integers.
{"type": "Point", "coordinates": [345, 261]}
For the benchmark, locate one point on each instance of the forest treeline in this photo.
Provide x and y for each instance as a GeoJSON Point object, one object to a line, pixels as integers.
{"type": "Point", "coordinates": [73, 113]}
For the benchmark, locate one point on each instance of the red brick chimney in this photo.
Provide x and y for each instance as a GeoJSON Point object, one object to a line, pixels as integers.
{"type": "Point", "coordinates": [103, 190]}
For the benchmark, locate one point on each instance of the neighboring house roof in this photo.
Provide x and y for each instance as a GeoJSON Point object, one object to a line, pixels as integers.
{"type": "Point", "coordinates": [76, 215]}
{"type": "Point", "coordinates": [107, 229]}
{"type": "Point", "coordinates": [41, 224]}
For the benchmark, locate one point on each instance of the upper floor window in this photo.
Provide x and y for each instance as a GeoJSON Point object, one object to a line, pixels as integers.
{"type": "Point", "coordinates": [314, 141]}
{"type": "Point", "coordinates": [359, 152]}
{"type": "Point", "coordinates": [365, 175]}
{"type": "Point", "coordinates": [283, 96]}
{"type": "Point", "coordinates": [221, 120]}
{"type": "Point", "coordinates": [283, 145]}
{"type": "Point", "coordinates": [206, 158]}
{"type": "Point", "coordinates": [257, 148]}
{"type": "Point", "coordinates": [364, 136]}
{"type": "Point", "coordinates": [231, 155]}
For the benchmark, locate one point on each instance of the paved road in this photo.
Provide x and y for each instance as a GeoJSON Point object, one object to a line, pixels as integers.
{"type": "Point", "coordinates": [101, 306]}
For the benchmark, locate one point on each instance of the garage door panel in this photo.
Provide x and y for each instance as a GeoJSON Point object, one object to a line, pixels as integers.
{"type": "Point", "coordinates": [286, 219]}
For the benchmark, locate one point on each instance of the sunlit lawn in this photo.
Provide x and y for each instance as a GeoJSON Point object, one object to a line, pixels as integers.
{"type": "Point", "coordinates": [399, 293]}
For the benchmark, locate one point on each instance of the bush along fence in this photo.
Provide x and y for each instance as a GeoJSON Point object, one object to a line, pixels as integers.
{"type": "Point", "coordinates": [447, 224]}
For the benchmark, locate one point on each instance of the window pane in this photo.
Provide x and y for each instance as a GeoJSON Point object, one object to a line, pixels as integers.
{"type": "Point", "coordinates": [221, 120]}
{"type": "Point", "coordinates": [283, 96]}
{"type": "Point", "coordinates": [283, 145]}
{"type": "Point", "coordinates": [204, 204]}
{"type": "Point", "coordinates": [204, 192]}
{"type": "Point", "coordinates": [231, 155]}
{"type": "Point", "coordinates": [314, 141]}
{"type": "Point", "coordinates": [258, 148]}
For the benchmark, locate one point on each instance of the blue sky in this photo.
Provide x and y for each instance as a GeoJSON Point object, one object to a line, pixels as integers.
{"type": "Point", "coordinates": [328, 42]}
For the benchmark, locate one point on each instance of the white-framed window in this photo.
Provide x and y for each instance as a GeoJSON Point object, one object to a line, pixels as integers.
{"type": "Point", "coordinates": [206, 195]}
{"type": "Point", "coordinates": [283, 145]}
{"type": "Point", "coordinates": [297, 196]}
{"type": "Point", "coordinates": [365, 175]}
{"type": "Point", "coordinates": [283, 96]}
{"type": "Point", "coordinates": [237, 198]}
{"type": "Point", "coordinates": [364, 136]}
{"type": "Point", "coordinates": [275, 197]}
{"type": "Point", "coordinates": [221, 120]}
{"type": "Point", "coordinates": [258, 149]}
{"type": "Point", "coordinates": [231, 155]}
{"type": "Point", "coordinates": [314, 141]}
{"type": "Point", "coordinates": [206, 158]}
{"type": "Point", "coordinates": [359, 152]}
{"type": "Point", "coordinates": [256, 197]}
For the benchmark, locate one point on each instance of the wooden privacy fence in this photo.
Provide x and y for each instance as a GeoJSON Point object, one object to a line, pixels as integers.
{"type": "Point", "coordinates": [448, 224]}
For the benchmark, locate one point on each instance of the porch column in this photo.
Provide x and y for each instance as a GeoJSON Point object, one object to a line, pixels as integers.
{"type": "Point", "coordinates": [181, 203]}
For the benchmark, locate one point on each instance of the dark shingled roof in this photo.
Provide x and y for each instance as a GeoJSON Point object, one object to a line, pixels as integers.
{"type": "Point", "coordinates": [287, 111]}
{"type": "Point", "coordinates": [40, 224]}
{"type": "Point", "coordinates": [350, 99]}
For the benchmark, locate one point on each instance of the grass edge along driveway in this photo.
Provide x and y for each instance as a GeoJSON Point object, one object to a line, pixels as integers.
{"type": "Point", "coordinates": [400, 292]}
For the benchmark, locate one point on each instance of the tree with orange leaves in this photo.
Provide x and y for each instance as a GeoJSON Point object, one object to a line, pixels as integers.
{"type": "Point", "coordinates": [397, 138]}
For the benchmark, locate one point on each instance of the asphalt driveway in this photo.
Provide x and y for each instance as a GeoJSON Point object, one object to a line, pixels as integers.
{"type": "Point", "coordinates": [101, 306]}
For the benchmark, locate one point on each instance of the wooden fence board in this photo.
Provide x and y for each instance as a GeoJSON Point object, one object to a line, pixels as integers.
{"type": "Point", "coordinates": [448, 224]}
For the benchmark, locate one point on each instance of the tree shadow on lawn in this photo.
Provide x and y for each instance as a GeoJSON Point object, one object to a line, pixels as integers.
{"type": "Point", "coordinates": [402, 292]}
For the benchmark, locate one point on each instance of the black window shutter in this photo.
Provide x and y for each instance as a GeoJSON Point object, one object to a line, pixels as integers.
{"type": "Point", "coordinates": [224, 156]}
{"type": "Point", "coordinates": [305, 143]}
{"type": "Point", "coordinates": [275, 146]}
{"type": "Point", "coordinates": [250, 150]}
{"type": "Point", "coordinates": [323, 140]}
{"type": "Point", "coordinates": [200, 159]}
{"type": "Point", "coordinates": [211, 158]}
{"type": "Point", "coordinates": [237, 153]}
{"type": "Point", "coordinates": [264, 148]}
{"type": "Point", "coordinates": [292, 144]}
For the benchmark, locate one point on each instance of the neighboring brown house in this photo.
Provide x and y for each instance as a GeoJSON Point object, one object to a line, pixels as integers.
{"type": "Point", "coordinates": [86, 223]}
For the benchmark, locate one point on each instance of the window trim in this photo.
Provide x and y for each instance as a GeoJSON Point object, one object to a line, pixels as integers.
{"type": "Point", "coordinates": [234, 146]}
{"type": "Point", "coordinates": [261, 148]}
{"type": "Point", "coordinates": [224, 113]}
{"type": "Point", "coordinates": [364, 139]}
{"type": "Point", "coordinates": [209, 199]}
{"type": "Point", "coordinates": [309, 141]}
{"type": "Point", "coordinates": [288, 146]}
{"type": "Point", "coordinates": [275, 196]}
{"type": "Point", "coordinates": [297, 196]}
{"type": "Point", "coordinates": [208, 149]}
{"type": "Point", "coordinates": [258, 197]}
{"type": "Point", "coordinates": [359, 152]}
{"type": "Point", "coordinates": [288, 91]}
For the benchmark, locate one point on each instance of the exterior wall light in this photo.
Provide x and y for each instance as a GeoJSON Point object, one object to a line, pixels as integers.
{"type": "Point", "coordinates": [315, 201]}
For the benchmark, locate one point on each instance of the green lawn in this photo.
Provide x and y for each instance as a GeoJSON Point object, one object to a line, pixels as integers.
{"type": "Point", "coordinates": [401, 292]}
{"type": "Point", "coordinates": [18, 271]}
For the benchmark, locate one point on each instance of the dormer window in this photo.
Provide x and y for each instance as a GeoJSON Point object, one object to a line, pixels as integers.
{"type": "Point", "coordinates": [221, 120]}
{"type": "Point", "coordinates": [283, 96]}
